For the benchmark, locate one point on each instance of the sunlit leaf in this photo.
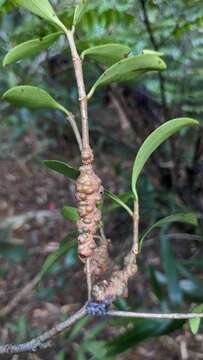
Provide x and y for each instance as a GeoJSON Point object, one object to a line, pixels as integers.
{"type": "Point", "coordinates": [152, 52]}
{"type": "Point", "coordinates": [32, 97]}
{"type": "Point", "coordinates": [30, 48]}
{"type": "Point", "coordinates": [195, 323]}
{"type": "Point", "coordinates": [62, 168]}
{"type": "Point", "coordinates": [41, 8]}
{"type": "Point", "coordinates": [127, 69]}
{"type": "Point", "coordinates": [153, 141]}
{"type": "Point", "coordinates": [107, 54]}
{"type": "Point", "coordinates": [187, 218]}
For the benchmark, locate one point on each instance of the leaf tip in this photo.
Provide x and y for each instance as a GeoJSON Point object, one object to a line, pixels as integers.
{"type": "Point", "coordinates": [4, 63]}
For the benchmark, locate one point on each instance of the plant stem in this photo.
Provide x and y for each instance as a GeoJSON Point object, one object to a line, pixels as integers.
{"type": "Point", "coordinates": [143, 315]}
{"type": "Point", "coordinates": [43, 341]}
{"type": "Point", "coordinates": [77, 63]}
{"type": "Point", "coordinates": [71, 119]}
{"type": "Point", "coordinates": [135, 247]}
{"type": "Point", "coordinates": [85, 146]}
{"type": "Point", "coordinates": [88, 278]}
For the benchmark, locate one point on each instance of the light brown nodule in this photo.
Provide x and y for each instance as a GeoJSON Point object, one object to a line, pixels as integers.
{"type": "Point", "coordinates": [89, 193]}
{"type": "Point", "coordinates": [116, 286]}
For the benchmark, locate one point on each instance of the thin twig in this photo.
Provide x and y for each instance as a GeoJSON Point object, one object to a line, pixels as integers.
{"type": "Point", "coordinates": [44, 340]}
{"type": "Point", "coordinates": [74, 126]}
{"type": "Point", "coordinates": [135, 247]}
{"type": "Point", "coordinates": [102, 233]}
{"type": "Point", "coordinates": [84, 146]}
{"type": "Point", "coordinates": [124, 122]}
{"type": "Point", "coordinates": [89, 279]}
{"type": "Point", "coordinates": [81, 89]}
{"type": "Point", "coordinates": [172, 316]}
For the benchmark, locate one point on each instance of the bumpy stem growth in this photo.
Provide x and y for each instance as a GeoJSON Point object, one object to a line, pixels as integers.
{"type": "Point", "coordinates": [117, 284]}
{"type": "Point", "coordinates": [88, 186]}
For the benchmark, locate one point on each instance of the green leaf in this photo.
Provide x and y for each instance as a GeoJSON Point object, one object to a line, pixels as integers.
{"type": "Point", "coordinates": [141, 330]}
{"type": "Point", "coordinates": [127, 69]}
{"type": "Point", "coordinates": [153, 141]}
{"type": "Point", "coordinates": [118, 200]}
{"type": "Point", "coordinates": [2, 2]}
{"type": "Point", "coordinates": [64, 247]}
{"type": "Point", "coordinates": [62, 168]}
{"type": "Point", "coordinates": [152, 52]}
{"type": "Point", "coordinates": [187, 218]}
{"type": "Point", "coordinates": [96, 348]}
{"type": "Point", "coordinates": [169, 265]}
{"type": "Point", "coordinates": [79, 11]}
{"type": "Point", "coordinates": [32, 97]}
{"type": "Point", "coordinates": [195, 323]}
{"type": "Point", "coordinates": [157, 289]}
{"type": "Point", "coordinates": [76, 329]}
{"type": "Point", "coordinates": [30, 48]}
{"type": "Point", "coordinates": [43, 9]}
{"type": "Point", "coordinates": [107, 54]}
{"type": "Point", "coordinates": [70, 213]}
{"type": "Point", "coordinates": [192, 289]}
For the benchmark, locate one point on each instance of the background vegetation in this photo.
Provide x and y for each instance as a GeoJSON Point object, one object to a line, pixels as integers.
{"type": "Point", "coordinates": [121, 116]}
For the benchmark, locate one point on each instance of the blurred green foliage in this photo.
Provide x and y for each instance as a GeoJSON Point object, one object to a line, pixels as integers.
{"type": "Point", "coordinates": [177, 28]}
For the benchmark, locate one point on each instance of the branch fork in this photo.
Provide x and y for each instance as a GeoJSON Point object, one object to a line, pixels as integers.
{"type": "Point", "coordinates": [89, 192]}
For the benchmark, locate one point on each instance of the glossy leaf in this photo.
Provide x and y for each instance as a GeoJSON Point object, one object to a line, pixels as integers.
{"type": "Point", "coordinates": [30, 48]}
{"type": "Point", "coordinates": [32, 97]}
{"type": "Point", "coordinates": [70, 213]}
{"type": "Point", "coordinates": [43, 9]}
{"type": "Point", "coordinates": [119, 201]}
{"type": "Point", "coordinates": [62, 168]}
{"type": "Point", "coordinates": [107, 54]}
{"type": "Point", "coordinates": [187, 218]}
{"type": "Point", "coordinates": [152, 142]}
{"type": "Point", "coordinates": [127, 69]}
{"type": "Point", "coordinates": [79, 11]}
{"type": "Point", "coordinates": [195, 323]}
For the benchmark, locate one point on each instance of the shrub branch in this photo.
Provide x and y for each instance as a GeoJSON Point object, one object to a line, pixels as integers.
{"type": "Point", "coordinates": [44, 340]}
